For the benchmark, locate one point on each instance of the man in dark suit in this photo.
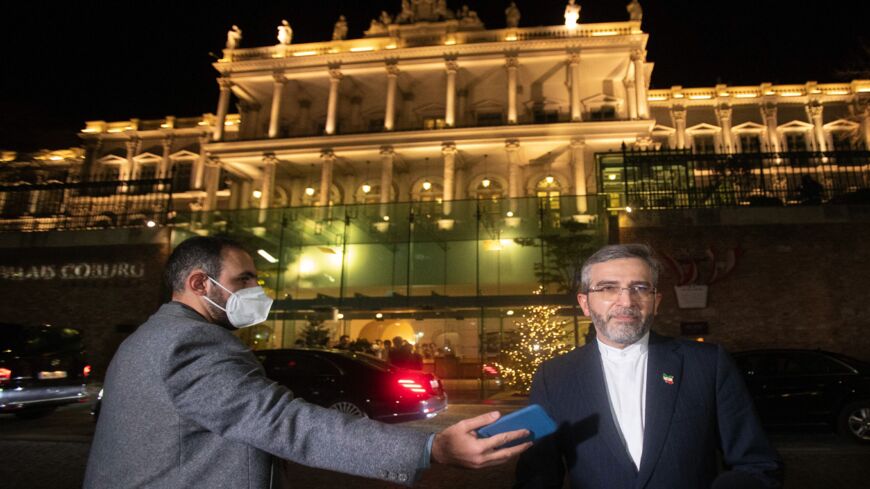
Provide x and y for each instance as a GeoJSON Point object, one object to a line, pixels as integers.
{"type": "Point", "coordinates": [186, 404]}
{"type": "Point", "coordinates": [639, 410]}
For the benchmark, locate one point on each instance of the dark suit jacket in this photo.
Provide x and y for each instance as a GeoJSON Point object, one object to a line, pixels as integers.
{"type": "Point", "coordinates": [704, 407]}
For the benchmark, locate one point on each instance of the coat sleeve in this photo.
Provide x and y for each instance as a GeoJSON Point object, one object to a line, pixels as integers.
{"type": "Point", "coordinates": [541, 466]}
{"type": "Point", "coordinates": [745, 446]}
{"type": "Point", "coordinates": [216, 382]}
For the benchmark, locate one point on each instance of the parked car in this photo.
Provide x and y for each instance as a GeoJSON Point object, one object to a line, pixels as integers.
{"type": "Point", "coordinates": [41, 367]}
{"type": "Point", "coordinates": [809, 387]}
{"type": "Point", "coordinates": [356, 383]}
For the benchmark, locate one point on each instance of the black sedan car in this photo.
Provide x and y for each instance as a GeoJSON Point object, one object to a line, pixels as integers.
{"type": "Point", "coordinates": [809, 387]}
{"type": "Point", "coordinates": [41, 368]}
{"type": "Point", "coordinates": [356, 383]}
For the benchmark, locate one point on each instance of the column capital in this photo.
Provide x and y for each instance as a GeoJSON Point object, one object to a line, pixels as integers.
{"type": "Point", "coordinates": [327, 154]}
{"type": "Point", "coordinates": [335, 74]}
{"type": "Point", "coordinates": [212, 161]}
{"type": "Point", "coordinates": [203, 138]}
{"type": "Point", "coordinates": [814, 110]}
{"type": "Point", "coordinates": [511, 60]}
{"type": "Point", "coordinates": [638, 54]}
{"type": "Point", "coordinates": [132, 143]}
{"type": "Point", "coordinates": [768, 109]}
{"type": "Point", "coordinates": [448, 149]}
{"type": "Point", "coordinates": [450, 63]}
{"type": "Point", "coordinates": [723, 112]}
{"type": "Point", "coordinates": [573, 56]}
{"type": "Point", "coordinates": [167, 141]}
{"type": "Point", "coordinates": [512, 145]}
{"type": "Point", "coordinates": [270, 159]}
{"type": "Point", "coordinates": [224, 83]}
{"type": "Point", "coordinates": [578, 143]}
{"type": "Point", "coordinates": [387, 150]}
{"type": "Point", "coordinates": [678, 112]}
{"type": "Point", "coordinates": [278, 76]}
{"type": "Point", "coordinates": [628, 82]}
{"type": "Point", "coordinates": [392, 67]}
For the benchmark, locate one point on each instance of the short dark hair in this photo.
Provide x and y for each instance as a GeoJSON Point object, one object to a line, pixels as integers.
{"type": "Point", "coordinates": [615, 252]}
{"type": "Point", "coordinates": [203, 252]}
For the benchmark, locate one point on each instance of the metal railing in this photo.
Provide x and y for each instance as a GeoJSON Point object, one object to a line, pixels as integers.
{"type": "Point", "coordinates": [667, 179]}
{"type": "Point", "coordinates": [28, 207]}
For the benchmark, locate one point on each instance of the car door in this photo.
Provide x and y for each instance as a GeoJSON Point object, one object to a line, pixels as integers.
{"type": "Point", "coordinates": [309, 376]}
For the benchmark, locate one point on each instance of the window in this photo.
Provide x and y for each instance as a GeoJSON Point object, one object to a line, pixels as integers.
{"type": "Point", "coordinates": [605, 113]}
{"type": "Point", "coordinates": [750, 143]}
{"type": "Point", "coordinates": [376, 125]}
{"type": "Point", "coordinates": [842, 141]}
{"type": "Point", "coordinates": [433, 123]}
{"type": "Point", "coordinates": [181, 176]}
{"type": "Point", "coordinates": [796, 141]}
{"type": "Point", "coordinates": [489, 119]}
{"type": "Point", "coordinates": [704, 143]}
{"type": "Point", "coordinates": [542, 116]}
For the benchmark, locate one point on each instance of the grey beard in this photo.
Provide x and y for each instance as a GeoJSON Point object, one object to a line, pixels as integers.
{"type": "Point", "coordinates": [220, 316]}
{"type": "Point", "coordinates": [626, 334]}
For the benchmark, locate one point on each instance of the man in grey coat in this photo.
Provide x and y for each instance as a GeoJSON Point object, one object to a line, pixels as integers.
{"type": "Point", "coordinates": [186, 404]}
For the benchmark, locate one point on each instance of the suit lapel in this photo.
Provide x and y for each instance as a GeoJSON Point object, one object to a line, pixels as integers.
{"type": "Point", "coordinates": [593, 392]}
{"type": "Point", "coordinates": [664, 377]}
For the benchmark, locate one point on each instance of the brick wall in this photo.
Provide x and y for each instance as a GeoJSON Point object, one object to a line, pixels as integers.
{"type": "Point", "coordinates": [802, 280]}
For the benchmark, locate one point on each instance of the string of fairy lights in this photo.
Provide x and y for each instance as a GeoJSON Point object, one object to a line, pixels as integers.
{"type": "Point", "coordinates": [539, 338]}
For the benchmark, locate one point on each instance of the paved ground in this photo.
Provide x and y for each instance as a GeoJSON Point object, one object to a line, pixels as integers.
{"type": "Point", "coordinates": [52, 452]}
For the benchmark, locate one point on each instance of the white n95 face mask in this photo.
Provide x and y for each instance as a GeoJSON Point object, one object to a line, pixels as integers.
{"type": "Point", "coordinates": [245, 307]}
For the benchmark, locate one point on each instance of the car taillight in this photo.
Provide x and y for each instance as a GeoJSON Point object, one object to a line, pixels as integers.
{"type": "Point", "coordinates": [413, 385]}
{"type": "Point", "coordinates": [86, 371]}
{"type": "Point", "coordinates": [490, 369]}
{"type": "Point", "coordinates": [5, 374]}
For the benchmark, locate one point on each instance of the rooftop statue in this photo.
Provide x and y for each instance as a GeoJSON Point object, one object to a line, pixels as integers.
{"type": "Point", "coordinates": [339, 32]}
{"type": "Point", "coordinates": [512, 15]}
{"type": "Point", "coordinates": [407, 14]}
{"type": "Point", "coordinates": [635, 11]}
{"type": "Point", "coordinates": [467, 16]}
{"type": "Point", "coordinates": [385, 18]}
{"type": "Point", "coordinates": [572, 14]}
{"type": "Point", "coordinates": [285, 33]}
{"type": "Point", "coordinates": [234, 37]}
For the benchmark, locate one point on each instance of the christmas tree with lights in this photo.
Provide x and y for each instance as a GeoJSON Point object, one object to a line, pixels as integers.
{"type": "Point", "coordinates": [540, 336]}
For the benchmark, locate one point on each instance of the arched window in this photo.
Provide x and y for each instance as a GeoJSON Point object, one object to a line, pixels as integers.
{"type": "Point", "coordinates": [548, 191]}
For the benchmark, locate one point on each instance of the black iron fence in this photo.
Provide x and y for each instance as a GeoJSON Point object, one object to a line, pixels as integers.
{"type": "Point", "coordinates": [84, 205]}
{"type": "Point", "coordinates": [666, 179]}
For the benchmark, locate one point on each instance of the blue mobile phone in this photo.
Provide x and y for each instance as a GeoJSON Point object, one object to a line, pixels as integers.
{"type": "Point", "coordinates": [532, 418]}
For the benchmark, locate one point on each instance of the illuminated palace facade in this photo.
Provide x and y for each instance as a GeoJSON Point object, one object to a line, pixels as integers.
{"type": "Point", "coordinates": [424, 179]}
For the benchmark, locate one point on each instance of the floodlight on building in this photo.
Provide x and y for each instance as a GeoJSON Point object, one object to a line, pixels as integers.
{"type": "Point", "coordinates": [257, 194]}
{"type": "Point", "coordinates": [150, 223]}
{"type": "Point", "coordinates": [486, 182]}
{"type": "Point", "coordinates": [427, 185]}
{"type": "Point", "coordinates": [612, 176]}
{"type": "Point", "coordinates": [340, 316]}
{"type": "Point", "coordinates": [386, 218]}
{"type": "Point", "coordinates": [509, 213]}
{"type": "Point", "coordinates": [362, 49]}
{"type": "Point", "coordinates": [266, 256]}
{"type": "Point", "coordinates": [56, 158]}
{"type": "Point", "coordinates": [379, 316]}
{"type": "Point", "coordinates": [549, 179]}
{"type": "Point", "coordinates": [509, 312]}
{"type": "Point", "coordinates": [309, 191]}
{"type": "Point", "coordinates": [304, 53]}
{"type": "Point", "coordinates": [628, 209]}
{"type": "Point", "coordinates": [366, 188]}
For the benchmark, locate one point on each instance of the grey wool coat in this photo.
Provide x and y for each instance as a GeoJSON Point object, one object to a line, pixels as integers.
{"type": "Point", "coordinates": [187, 405]}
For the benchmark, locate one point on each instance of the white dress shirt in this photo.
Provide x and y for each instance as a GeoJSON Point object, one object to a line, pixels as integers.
{"type": "Point", "coordinates": [625, 375]}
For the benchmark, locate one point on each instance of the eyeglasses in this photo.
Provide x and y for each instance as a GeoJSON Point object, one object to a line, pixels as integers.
{"type": "Point", "coordinates": [611, 293]}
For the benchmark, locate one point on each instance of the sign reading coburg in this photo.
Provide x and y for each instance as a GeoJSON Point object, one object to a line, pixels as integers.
{"type": "Point", "coordinates": [73, 271]}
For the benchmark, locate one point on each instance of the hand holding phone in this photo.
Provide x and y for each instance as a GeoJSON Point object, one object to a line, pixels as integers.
{"type": "Point", "coordinates": [532, 418]}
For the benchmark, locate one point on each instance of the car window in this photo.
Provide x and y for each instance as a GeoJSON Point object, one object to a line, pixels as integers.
{"type": "Point", "coordinates": [760, 364]}
{"type": "Point", "coordinates": [22, 339]}
{"type": "Point", "coordinates": [295, 364]}
{"type": "Point", "coordinates": [813, 364]}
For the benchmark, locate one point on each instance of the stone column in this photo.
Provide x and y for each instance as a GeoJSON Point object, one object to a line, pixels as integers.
{"type": "Point", "coordinates": [92, 153]}
{"type": "Point", "coordinates": [212, 181]}
{"type": "Point", "coordinates": [245, 194]}
{"type": "Point", "coordinates": [165, 168]}
{"type": "Point", "coordinates": [296, 190]}
{"type": "Point", "coordinates": [574, 63]}
{"type": "Point", "coordinates": [814, 113]}
{"type": "Point", "coordinates": [128, 171]}
{"type": "Point", "coordinates": [222, 108]}
{"type": "Point", "coordinates": [392, 82]}
{"type": "Point", "coordinates": [512, 148]}
{"type": "Point", "coordinates": [267, 186]}
{"type": "Point", "coordinates": [723, 115]}
{"type": "Point", "coordinates": [462, 106]}
{"type": "Point", "coordinates": [631, 94]}
{"type": "Point", "coordinates": [450, 100]}
{"type": "Point", "coordinates": [512, 64]}
{"type": "Point", "coordinates": [866, 124]}
{"type": "Point", "coordinates": [768, 114]}
{"type": "Point", "coordinates": [387, 157]}
{"type": "Point", "coordinates": [328, 162]}
{"type": "Point", "coordinates": [637, 57]}
{"type": "Point", "coordinates": [678, 114]}
{"type": "Point", "coordinates": [332, 106]}
{"type": "Point", "coordinates": [578, 170]}
{"type": "Point", "coordinates": [275, 114]}
{"type": "Point", "coordinates": [197, 174]}
{"type": "Point", "coordinates": [448, 150]}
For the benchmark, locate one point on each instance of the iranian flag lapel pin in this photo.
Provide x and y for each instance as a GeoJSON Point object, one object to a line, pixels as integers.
{"type": "Point", "coordinates": [668, 378]}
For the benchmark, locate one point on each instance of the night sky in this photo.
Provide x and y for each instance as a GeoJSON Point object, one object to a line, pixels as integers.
{"type": "Point", "coordinates": [67, 62]}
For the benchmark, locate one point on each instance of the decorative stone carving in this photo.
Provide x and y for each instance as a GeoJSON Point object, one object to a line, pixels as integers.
{"type": "Point", "coordinates": [234, 37]}
{"type": "Point", "coordinates": [512, 15]}
{"type": "Point", "coordinates": [285, 33]}
{"type": "Point", "coordinates": [339, 32]}
{"type": "Point", "coordinates": [572, 14]}
{"type": "Point", "coordinates": [635, 11]}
